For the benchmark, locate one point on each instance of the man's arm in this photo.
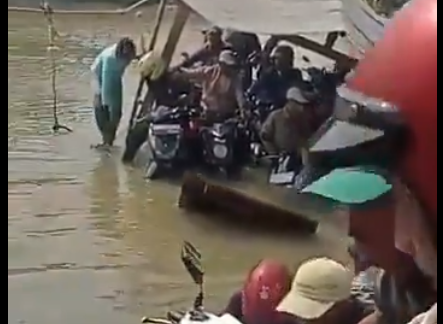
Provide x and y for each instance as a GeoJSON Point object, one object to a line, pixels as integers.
{"type": "Point", "coordinates": [259, 84]}
{"type": "Point", "coordinates": [196, 75]}
{"type": "Point", "coordinates": [240, 96]}
{"type": "Point", "coordinates": [198, 56]}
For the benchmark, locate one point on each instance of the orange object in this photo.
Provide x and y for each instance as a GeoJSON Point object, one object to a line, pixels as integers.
{"type": "Point", "coordinates": [402, 69]}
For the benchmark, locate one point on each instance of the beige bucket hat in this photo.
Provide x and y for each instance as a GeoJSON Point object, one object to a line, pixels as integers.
{"type": "Point", "coordinates": [318, 285]}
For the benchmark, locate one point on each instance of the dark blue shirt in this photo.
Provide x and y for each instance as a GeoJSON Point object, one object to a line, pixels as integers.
{"type": "Point", "coordinates": [272, 85]}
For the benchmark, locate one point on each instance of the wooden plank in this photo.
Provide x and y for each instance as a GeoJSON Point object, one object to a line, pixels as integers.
{"type": "Point", "coordinates": [342, 59]}
{"type": "Point", "coordinates": [180, 19]}
{"type": "Point", "coordinates": [137, 102]}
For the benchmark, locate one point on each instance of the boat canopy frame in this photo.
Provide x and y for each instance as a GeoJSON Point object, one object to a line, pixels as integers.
{"type": "Point", "coordinates": [271, 18]}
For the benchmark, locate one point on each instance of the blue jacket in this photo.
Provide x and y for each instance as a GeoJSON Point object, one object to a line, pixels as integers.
{"type": "Point", "coordinates": [272, 85]}
{"type": "Point", "coordinates": [109, 70]}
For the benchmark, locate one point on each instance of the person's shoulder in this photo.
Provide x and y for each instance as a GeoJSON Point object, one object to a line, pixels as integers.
{"type": "Point", "coordinates": [234, 306]}
{"type": "Point", "coordinates": [276, 115]}
{"type": "Point", "coordinates": [109, 52]}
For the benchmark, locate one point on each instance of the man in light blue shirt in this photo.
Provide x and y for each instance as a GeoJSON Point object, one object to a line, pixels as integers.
{"type": "Point", "coordinates": [109, 68]}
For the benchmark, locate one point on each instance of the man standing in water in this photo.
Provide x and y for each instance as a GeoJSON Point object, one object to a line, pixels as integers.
{"type": "Point", "coordinates": [108, 69]}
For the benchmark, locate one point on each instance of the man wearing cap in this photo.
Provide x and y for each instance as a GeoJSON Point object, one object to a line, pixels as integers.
{"type": "Point", "coordinates": [286, 130]}
{"type": "Point", "coordinates": [321, 293]}
{"type": "Point", "coordinates": [209, 53]}
{"type": "Point", "coordinates": [276, 79]}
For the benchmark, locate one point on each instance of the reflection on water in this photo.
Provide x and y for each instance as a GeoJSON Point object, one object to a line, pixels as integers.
{"type": "Point", "coordinates": [90, 241]}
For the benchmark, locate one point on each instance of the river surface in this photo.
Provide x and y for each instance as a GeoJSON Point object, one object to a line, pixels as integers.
{"type": "Point", "coordinates": [89, 241]}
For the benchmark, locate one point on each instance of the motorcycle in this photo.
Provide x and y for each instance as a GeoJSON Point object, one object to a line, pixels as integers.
{"type": "Point", "coordinates": [171, 143]}
{"type": "Point", "coordinates": [191, 259]}
{"type": "Point", "coordinates": [223, 147]}
{"type": "Point", "coordinates": [167, 92]}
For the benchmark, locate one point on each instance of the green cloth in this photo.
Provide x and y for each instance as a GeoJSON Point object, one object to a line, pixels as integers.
{"type": "Point", "coordinates": [350, 186]}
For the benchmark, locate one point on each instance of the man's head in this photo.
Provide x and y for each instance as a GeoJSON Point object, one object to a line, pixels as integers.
{"type": "Point", "coordinates": [228, 62]}
{"type": "Point", "coordinates": [319, 286]}
{"type": "Point", "coordinates": [283, 57]}
{"type": "Point", "coordinates": [384, 218]}
{"type": "Point", "coordinates": [126, 49]}
{"type": "Point", "coordinates": [213, 36]}
{"type": "Point", "coordinates": [295, 103]}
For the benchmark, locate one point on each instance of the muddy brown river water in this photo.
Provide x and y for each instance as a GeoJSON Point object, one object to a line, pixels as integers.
{"type": "Point", "coordinates": [89, 241]}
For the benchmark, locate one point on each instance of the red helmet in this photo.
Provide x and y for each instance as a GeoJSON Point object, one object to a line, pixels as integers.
{"type": "Point", "coordinates": [402, 69]}
{"type": "Point", "coordinates": [264, 289]}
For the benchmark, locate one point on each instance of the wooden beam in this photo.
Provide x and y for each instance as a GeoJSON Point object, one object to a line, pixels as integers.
{"type": "Point", "coordinates": [341, 58]}
{"type": "Point", "coordinates": [138, 105]}
{"type": "Point", "coordinates": [180, 19]}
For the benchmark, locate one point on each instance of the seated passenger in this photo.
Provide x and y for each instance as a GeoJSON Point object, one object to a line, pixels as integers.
{"type": "Point", "coordinates": [210, 51]}
{"type": "Point", "coordinates": [286, 130]}
{"type": "Point", "coordinates": [321, 293]}
{"type": "Point", "coordinates": [265, 287]}
{"type": "Point", "coordinates": [274, 82]}
{"type": "Point", "coordinates": [222, 92]}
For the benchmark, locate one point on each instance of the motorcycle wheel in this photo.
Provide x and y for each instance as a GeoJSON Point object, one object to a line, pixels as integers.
{"type": "Point", "coordinates": [152, 170]}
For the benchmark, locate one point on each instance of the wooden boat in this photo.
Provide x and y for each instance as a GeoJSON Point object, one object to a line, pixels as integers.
{"type": "Point", "coordinates": [297, 22]}
{"type": "Point", "coordinates": [291, 21]}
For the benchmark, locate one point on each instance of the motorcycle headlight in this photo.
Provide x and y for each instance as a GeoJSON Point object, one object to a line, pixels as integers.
{"type": "Point", "coordinates": [164, 146]}
{"type": "Point", "coordinates": [220, 151]}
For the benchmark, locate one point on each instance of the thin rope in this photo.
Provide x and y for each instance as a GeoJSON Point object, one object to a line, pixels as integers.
{"type": "Point", "coordinates": [52, 49]}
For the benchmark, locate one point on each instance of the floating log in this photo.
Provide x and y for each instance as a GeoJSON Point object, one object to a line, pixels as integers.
{"type": "Point", "coordinates": [205, 196]}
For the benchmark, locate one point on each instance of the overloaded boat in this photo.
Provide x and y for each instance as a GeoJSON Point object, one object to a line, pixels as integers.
{"type": "Point", "coordinates": [290, 21]}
